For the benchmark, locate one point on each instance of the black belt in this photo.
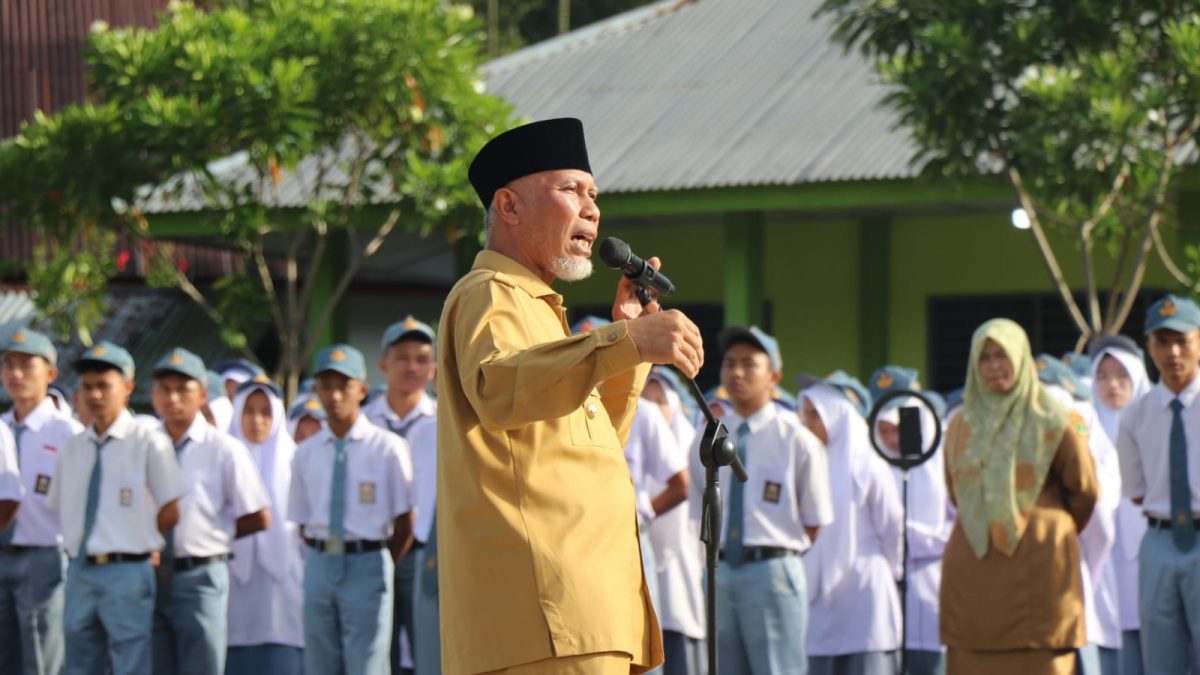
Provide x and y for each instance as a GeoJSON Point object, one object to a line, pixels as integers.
{"type": "Point", "coordinates": [21, 548]}
{"type": "Point", "coordinates": [1165, 523]}
{"type": "Point", "coordinates": [109, 558]}
{"type": "Point", "coordinates": [185, 564]}
{"type": "Point", "coordinates": [356, 546]}
{"type": "Point", "coordinates": [756, 553]}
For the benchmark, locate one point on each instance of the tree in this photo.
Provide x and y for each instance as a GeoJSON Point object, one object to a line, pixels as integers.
{"type": "Point", "coordinates": [366, 111]}
{"type": "Point", "coordinates": [1088, 109]}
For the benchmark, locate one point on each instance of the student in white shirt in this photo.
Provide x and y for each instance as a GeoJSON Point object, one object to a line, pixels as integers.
{"type": "Point", "coordinates": [408, 362]}
{"type": "Point", "coordinates": [306, 418]}
{"type": "Point", "coordinates": [1101, 655]}
{"type": "Point", "coordinates": [351, 494]}
{"type": "Point", "coordinates": [33, 568]}
{"type": "Point", "coordinates": [266, 601]}
{"type": "Point", "coordinates": [929, 522]}
{"type": "Point", "coordinates": [117, 490]}
{"type": "Point", "coordinates": [853, 568]}
{"type": "Point", "coordinates": [1159, 449]}
{"type": "Point", "coordinates": [675, 537]}
{"type": "Point", "coordinates": [1119, 379]}
{"type": "Point", "coordinates": [225, 500]}
{"type": "Point", "coordinates": [771, 519]}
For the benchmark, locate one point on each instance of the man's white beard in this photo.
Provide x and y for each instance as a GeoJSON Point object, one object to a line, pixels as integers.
{"type": "Point", "coordinates": [571, 269]}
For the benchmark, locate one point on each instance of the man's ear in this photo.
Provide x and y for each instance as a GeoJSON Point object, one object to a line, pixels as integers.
{"type": "Point", "coordinates": [505, 204]}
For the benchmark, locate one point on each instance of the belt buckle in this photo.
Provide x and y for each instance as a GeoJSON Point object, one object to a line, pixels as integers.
{"type": "Point", "coordinates": [333, 545]}
{"type": "Point", "coordinates": [102, 559]}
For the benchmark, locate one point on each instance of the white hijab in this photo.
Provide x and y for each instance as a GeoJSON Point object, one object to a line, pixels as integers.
{"type": "Point", "coordinates": [1110, 418]}
{"type": "Point", "coordinates": [274, 460]}
{"type": "Point", "coordinates": [1129, 517]}
{"type": "Point", "coordinates": [848, 452]}
{"type": "Point", "coordinates": [927, 504]}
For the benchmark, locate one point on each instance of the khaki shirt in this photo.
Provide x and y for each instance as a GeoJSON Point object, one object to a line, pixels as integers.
{"type": "Point", "coordinates": [537, 530]}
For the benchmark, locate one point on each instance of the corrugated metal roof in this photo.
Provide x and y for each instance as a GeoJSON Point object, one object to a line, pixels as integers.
{"type": "Point", "coordinates": [712, 93]}
{"type": "Point", "coordinates": [681, 94]}
{"type": "Point", "coordinates": [16, 311]}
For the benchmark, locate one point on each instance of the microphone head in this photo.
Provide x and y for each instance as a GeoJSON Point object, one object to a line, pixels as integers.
{"type": "Point", "coordinates": [614, 252]}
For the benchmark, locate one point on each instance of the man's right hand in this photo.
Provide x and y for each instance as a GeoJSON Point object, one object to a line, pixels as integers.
{"type": "Point", "coordinates": [670, 338]}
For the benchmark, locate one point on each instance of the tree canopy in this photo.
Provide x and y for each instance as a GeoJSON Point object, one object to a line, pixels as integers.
{"type": "Point", "coordinates": [366, 111]}
{"type": "Point", "coordinates": [1089, 108]}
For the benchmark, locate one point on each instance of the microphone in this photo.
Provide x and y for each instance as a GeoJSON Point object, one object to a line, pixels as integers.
{"type": "Point", "coordinates": [617, 255]}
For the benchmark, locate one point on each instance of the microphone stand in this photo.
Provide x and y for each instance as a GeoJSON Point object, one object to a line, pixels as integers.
{"type": "Point", "coordinates": [716, 451]}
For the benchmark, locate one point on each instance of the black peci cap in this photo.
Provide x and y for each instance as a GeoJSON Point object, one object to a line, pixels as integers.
{"type": "Point", "coordinates": [539, 146]}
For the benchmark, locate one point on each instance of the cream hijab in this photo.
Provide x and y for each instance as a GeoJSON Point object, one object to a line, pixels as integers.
{"type": "Point", "coordinates": [1012, 439]}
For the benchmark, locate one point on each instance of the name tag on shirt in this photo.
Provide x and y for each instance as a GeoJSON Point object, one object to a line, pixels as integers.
{"type": "Point", "coordinates": [125, 497]}
{"type": "Point", "coordinates": [366, 492]}
{"type": "Point", "coordinates": [771, 492]}
{"type": "Point", "coordinates": [42, 484]}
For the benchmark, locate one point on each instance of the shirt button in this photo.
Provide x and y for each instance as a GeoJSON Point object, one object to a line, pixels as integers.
{"type": "Point", "coordinates": [591, 410]}
{"type": "Point", "coordinates": [612, 336]}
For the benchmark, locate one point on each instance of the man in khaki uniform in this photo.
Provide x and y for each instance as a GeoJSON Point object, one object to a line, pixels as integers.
{"type": "Point", "coordinates": [539, 566]}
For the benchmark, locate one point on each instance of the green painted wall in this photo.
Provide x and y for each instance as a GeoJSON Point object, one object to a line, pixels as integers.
{"type": "Point", "coordinates": [814, 286]}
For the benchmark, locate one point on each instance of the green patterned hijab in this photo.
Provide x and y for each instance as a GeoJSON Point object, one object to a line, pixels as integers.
{"type": "Point", "coordinates": [1011, 440]}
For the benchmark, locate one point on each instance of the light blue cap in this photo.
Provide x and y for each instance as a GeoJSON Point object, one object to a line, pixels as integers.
{"type": "Point", "coordinates": [32, 342]}
{"type": "Point", "coordinates": [344, 359]}
{"type": "Point", "coordinates": [306, 385]}
{"type": "Point", "coordinates": [182, 362]}
{"type": "Point", "coordinates": [239, 370]}
{"type": "Point", "coordinates": [1080, 364]}
{"type": "Point", "coordinates": [310, 407]}
{"type": "Point", "coordinates": [938, 403]}
{"type": "Point", "coordinates": [755, 336]}
{"type": "Point", "coordinates": [1172, 312]}
{"type": "Point", "coordinates": [408, 328]}
{"type": "Point", "coordinates": [215, 385]}
{"type": "Point", "coordinates": [109, 354]}
{"type": "Point", "coordinates": [852, 389]}
{"type": "Point", "coordinates": [260, 382]}
{"type": "Point", "coordinates": [587, 323]}
{"type": "Point", "coordinates": [894, 378]}
{"type": "Point", "coordinates": [1053, 371]}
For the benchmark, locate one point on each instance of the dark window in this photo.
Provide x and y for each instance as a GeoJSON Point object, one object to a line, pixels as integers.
{"type": "Point", "coordinates": [953, 319]}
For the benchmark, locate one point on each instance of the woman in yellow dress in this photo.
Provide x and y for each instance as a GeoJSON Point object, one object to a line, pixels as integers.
{"type": "Point", "coordinates": [1021, 475]}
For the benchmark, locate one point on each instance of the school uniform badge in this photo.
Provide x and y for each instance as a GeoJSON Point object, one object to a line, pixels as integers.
{"type": "Point", "coordinates": [366, 492]}
{"type": "Point", "coordinates": [125, 497]}
{"type": "Point", "coordinates": [42, 484]}
{"type": "Point", "coordinates": [772, 492]}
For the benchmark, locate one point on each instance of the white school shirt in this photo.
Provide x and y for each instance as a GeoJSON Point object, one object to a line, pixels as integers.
{"type": "Point", "coordinates": [930, 520]}
{"type": "Point", "coordinates": [852, 570]}
{"type": "Point", "coordinates": [46, 431]}
{"type": "Point", "coordinates": [1100, 597]}
{"type": "Point", "coordinates": [652, 456]}
{"type": "Point", "coordinates": [222, 412]}
{"type": "Point", "coordinates": [11, 488]}
{"type": "Point", "coordinates": [378, 482]}
{"type": "Point", "coordinates": [1131, 524]}
{"type": "Point", "coordinates": [1143, 446]}
{"type": "Point", "coordinates": [678, 553]}
{"type": "Point", "coordinates": [223, 485]}
{"type": "Point", "coordinates": [139, 474]}
{"type": "Point", "coordinates": [420, 427]}
{"type": "Point", "coordinates": [788, 486]}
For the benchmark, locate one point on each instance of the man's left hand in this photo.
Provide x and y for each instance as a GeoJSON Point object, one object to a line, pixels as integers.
{"type": "Point", "coordinates": [627, 305]}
